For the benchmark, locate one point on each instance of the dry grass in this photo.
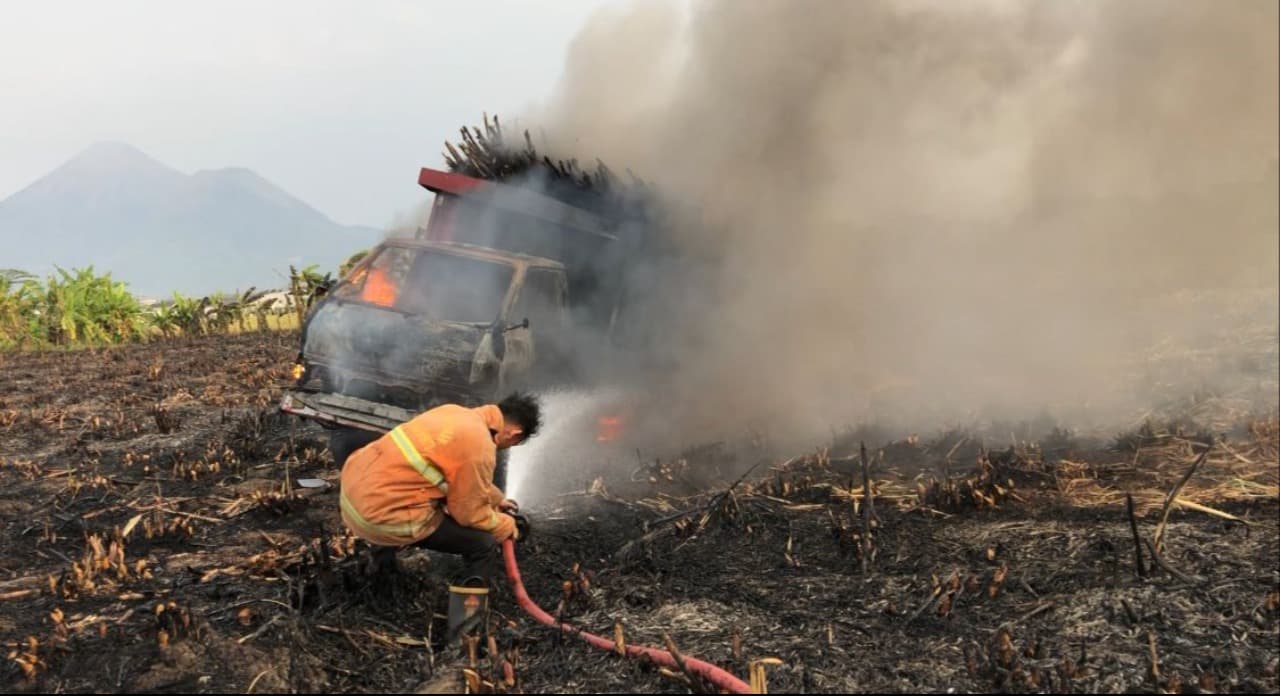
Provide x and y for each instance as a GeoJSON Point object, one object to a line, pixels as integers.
{"type": "Point", "coordinates": [1235, 471]}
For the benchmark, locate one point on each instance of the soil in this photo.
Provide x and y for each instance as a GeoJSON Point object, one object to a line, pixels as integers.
{"type": "Point", "coordinates": [157, 540]}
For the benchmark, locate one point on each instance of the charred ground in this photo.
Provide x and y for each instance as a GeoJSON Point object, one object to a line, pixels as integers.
{"type": "Point", "coordinates": [156, 541]}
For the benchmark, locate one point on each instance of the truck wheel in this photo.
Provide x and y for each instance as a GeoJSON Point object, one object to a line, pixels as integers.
{"type": "Point", "coordinates": [500, 470]}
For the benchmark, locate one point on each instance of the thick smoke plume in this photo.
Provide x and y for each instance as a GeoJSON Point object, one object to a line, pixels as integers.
{"type": "Point", "coordinates": [926, 211]}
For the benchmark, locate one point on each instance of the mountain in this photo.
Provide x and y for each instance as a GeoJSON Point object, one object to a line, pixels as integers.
{"type": "Point", "coordinates": [161, 230]}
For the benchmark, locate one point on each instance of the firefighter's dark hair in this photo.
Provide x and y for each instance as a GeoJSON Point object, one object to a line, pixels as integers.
{"type": "Point", "coordinates": [525, 410]}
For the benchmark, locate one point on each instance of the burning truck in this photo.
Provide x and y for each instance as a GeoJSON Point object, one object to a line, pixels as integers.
{"type": "Point", "coordinates": [518, 280]}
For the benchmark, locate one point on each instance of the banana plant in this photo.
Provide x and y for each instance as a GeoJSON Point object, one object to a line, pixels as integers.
{"type": "Point", "coordinates": [307, 286]}
{"type": "Point", "coordinates": [351, 262]}
{"type": "Point", "coordinates": [19, 312]}
{"type": "Point", "coordinates": [218, 314]}
{"type": "Point", "coordinates": [248, 300]}
{"type": "Point", "coordinates": [165, 320]}
{"type": "Point", "coordinates": [189, 314]}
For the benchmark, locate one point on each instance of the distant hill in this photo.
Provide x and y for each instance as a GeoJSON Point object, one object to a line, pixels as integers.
{"type": "Point", "coordinates": [160, 230]}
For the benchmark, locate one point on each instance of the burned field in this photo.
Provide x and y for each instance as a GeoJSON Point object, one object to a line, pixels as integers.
{"type": "Point", "coordinates": [156, 539]}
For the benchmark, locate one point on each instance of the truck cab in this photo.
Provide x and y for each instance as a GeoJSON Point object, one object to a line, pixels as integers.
{"type": "Point", "coordinates": [487, 298]}
{"type": "Point", "coordinates": [417, 324]}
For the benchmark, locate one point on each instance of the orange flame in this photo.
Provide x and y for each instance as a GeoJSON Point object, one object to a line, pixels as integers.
{"type": "Point", "coordinates": [608, 428]}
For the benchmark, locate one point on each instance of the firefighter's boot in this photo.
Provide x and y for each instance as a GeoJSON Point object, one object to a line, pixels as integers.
{"type": "Point", "coordinates": [468, 609]}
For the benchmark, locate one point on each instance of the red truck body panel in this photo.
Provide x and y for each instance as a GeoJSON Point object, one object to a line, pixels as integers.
{"type": "Point", "coordinates": [518, 200]}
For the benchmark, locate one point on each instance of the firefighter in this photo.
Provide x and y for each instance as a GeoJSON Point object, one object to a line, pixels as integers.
{"type": "Point", "coordinates": [429, 484]}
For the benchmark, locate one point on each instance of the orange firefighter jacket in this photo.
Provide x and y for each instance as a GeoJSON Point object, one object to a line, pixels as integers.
{"type": "Point", "coordinates": [397, 489]}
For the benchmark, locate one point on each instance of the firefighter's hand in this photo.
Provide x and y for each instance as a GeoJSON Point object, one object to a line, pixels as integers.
{"type": "Point", "coordinates": [509, 505]}
{"type": "Point", "coordinates": [522, 527]}
{"type": "Point", "coordinates": [506, 529]}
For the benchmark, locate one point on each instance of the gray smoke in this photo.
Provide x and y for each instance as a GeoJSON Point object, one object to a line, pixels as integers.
{"type": "Point", "coordinates": [926, 211]}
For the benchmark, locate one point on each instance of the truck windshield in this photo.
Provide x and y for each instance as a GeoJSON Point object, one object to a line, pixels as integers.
{"type": "Point", "coordinates": [435, 285]}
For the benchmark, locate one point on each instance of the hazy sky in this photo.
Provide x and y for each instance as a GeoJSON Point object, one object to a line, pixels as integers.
{"type": "Point", "coordinates": [339, 103]}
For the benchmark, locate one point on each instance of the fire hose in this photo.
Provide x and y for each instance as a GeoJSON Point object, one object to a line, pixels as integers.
{"type": "Point", "coordinates": [710, 672]}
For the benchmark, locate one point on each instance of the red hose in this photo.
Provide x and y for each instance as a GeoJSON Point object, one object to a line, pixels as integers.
{"type": "Point", "coordinates": [714, 674]}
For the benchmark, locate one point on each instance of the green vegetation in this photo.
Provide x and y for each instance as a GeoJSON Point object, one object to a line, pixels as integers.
{"type": "Point", "coordinates": [68, 308]}
{"type": "Point", "coordinates": [351, 262]}
{"type": "Point", "coordinates": [82, 308]}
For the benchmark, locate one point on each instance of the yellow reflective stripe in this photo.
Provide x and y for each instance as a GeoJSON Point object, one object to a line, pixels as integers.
{"type": "Point", "coordinates": [493, 521]}
{"type": "Point", "coordinates": [468, 590]}
{"type": "Point", "coordinates": [397, 529]}
{"type": "Point", "coordinates": [427, 469]}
